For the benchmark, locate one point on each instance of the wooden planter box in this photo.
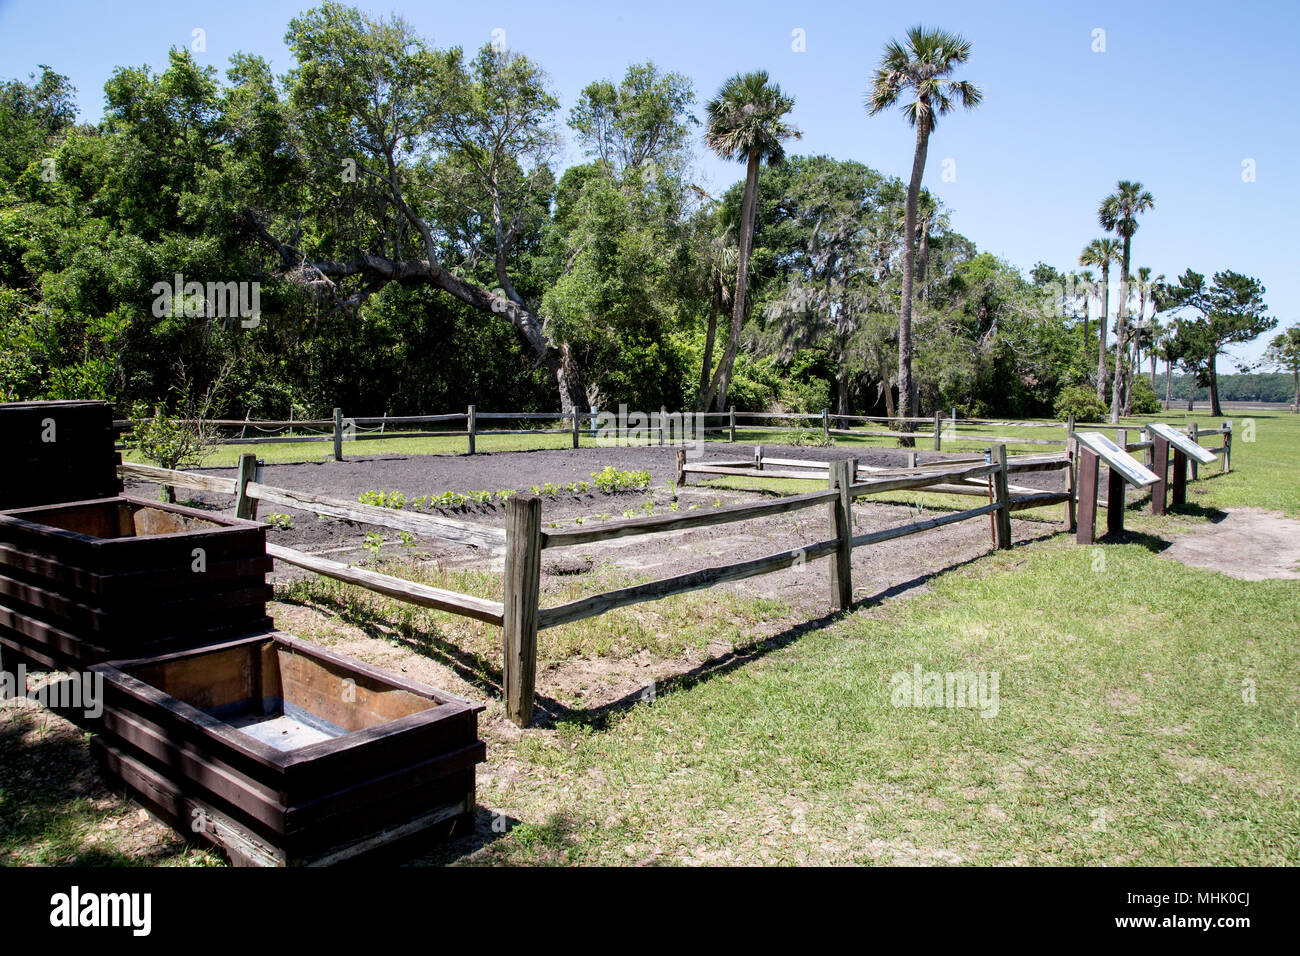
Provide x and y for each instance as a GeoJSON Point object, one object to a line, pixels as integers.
{"type": "Point", "coordinates": [283, 754]}
{"type": "Point", "coordinates": [57, 451]}
{"type": "Point", "coordinates": [89, 580]}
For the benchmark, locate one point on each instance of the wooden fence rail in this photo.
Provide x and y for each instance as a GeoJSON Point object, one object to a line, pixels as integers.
{"type": "Point", "coordinates": [520, 614]}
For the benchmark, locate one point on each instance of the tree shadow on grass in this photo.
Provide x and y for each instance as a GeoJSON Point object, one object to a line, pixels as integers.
{"type": "Point", "coordinates": [550, 713]}
{"type": "Point", "coordinates": [52, 797]}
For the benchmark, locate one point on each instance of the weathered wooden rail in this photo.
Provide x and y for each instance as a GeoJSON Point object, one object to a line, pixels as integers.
{"type": "Point", "coordinates": [520, 614]}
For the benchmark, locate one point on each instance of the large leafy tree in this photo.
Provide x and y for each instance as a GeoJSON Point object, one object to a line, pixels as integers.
{"type": "Point", "coordinates": [917, 74]}
{"type": "Point", "coordinates": [1118, 214]}
{"type": "Point", "coordinates": [451, 157]}
{"type": "Point", "coordinates": [746, 123]}
{"type": "Point", "coordinates": [1101, 254]}
{"type": "Point", "coordinates": [834, 272]}
{"type": "Point", "coordinates": [1231, 312]}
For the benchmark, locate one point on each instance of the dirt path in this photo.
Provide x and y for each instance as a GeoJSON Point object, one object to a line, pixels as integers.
{"type": "Point", "coordinates": [1249, 543]}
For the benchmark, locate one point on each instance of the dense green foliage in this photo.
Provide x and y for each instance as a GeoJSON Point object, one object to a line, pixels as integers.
{"type": "Point", "coordinates": [415, 246]}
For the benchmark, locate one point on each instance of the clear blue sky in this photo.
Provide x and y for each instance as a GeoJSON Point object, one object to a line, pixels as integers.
{"type": "Point", "coordinates": [1184, 92]}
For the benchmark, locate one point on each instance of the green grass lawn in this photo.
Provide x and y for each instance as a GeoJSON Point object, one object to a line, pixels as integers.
{"type": "Point", "coordinates": [1121, 734]}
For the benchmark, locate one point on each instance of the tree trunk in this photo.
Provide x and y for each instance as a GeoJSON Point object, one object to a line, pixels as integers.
{"type": "Point", "coordinates": [1215, 410]}
{"type": "Point", "coordinates": [1169, 380]}
{"type": "Point", "coordinates": [922, 259]}
{"type": "Point", "coordinates": [1103, 322]}
{"type": "Point", "coordinates": [842, 393]}
{"type": "Point", "coordinates": [906, 386]}
{"type": "Point", "coordinates": [722, 378]}
{"type": "Point", "coordinates": [1121, 335]}
{"type": "Point", "coordinates": [710, 338]}
{"type": "Point", "coordinates": [1153, 365]}
{"type": "Point", "coordinates": [1295, 375]}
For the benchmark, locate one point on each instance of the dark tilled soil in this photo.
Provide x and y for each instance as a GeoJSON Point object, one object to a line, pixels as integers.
{"type": "Point", "coordinates": [418, 475]}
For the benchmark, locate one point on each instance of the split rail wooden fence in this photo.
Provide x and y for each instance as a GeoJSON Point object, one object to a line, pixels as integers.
{"type": "Point", "coordinates": [520, 614]}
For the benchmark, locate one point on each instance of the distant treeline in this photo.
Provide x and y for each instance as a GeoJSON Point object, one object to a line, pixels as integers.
{"type": "Point", "coordinates": [1245, 387]}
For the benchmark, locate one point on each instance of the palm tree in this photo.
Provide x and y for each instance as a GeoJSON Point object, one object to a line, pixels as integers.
{"type": "Point", "coordinates": [1118, 213]}
{"type": "Point", "coordinates": [921, 67]}
{"type": "Point", "coordinates": [746, 125]}
{"type": "Point", "coordinates": [1101, 253]}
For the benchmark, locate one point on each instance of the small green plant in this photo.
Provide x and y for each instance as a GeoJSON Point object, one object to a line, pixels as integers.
{"type": "Point", "coordinates": [612, 480]}
{"type": "Point", "coordinates": [374, 543]}
{"type": "Point", "coordinates": [407, 539]}
{"type": "Point", "coordinates": [279, 521]}
{"type": "Point", "coordinates": [393, 499]}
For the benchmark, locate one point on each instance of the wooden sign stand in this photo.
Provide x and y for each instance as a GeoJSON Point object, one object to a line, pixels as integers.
{"type": "Point", "coordinates": [1092, 448]}
{"type": "Point", "coordinates": [1160, 492]}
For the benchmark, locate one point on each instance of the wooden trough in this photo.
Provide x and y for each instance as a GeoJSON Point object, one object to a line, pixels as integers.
{"type": "Point", "coordinates": [284, 754]}
{"type": "Point", "coordinates": [85, 581]}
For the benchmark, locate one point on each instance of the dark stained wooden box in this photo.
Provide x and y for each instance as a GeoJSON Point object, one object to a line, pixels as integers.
{"type": "Point", "coordinates": [283, 753]}
{"type": "Point", "coordinates": [57, 451]}
{"type": "Point", "coordinates": [85, 581]}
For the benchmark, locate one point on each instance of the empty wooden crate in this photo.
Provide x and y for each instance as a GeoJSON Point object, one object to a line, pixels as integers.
{"type": "Point", "coordinates": [283, 753]}
{"type": "Point", "coordinates": [88, 580]}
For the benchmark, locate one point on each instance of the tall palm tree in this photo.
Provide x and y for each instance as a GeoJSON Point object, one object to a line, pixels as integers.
{"type": "Point", "coordinates": [746, 124]}
{"type": "Point", "coordinates": [1101, 253]}
{"type": "Point", "coordinates": [917, 75]}
{"type": "Point", "coordinates": [1118, 213]}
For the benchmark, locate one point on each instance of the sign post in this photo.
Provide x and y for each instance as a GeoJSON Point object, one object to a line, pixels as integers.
{"type": "Point", "coordinates": [1185, 450]}
{"type": "Point", "coordinates": [1094, 448]}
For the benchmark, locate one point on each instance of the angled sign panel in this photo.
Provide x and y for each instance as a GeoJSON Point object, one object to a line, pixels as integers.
{"type": "Point", "coordinates": [1183, 443]}
{"type": "Point", "coordinates": [1120, 461]}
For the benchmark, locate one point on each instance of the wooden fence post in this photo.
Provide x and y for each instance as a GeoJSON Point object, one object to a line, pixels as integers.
{"type": "Point", "coordinates": [1226, 462]}
{"type": "Point", "coordinates": [1194, 433]}
{"type": "Point", "coordinates": [576, 416]}
{"type": "Point", "coordinates": [246, 507]}
{"type": "Point", "coordinates": [1003, 496]}
{"type": "Point", "coordinates": [938, 442]}
{"type": "Point", "coordinates": [523, 583]}
{"type": "Point", "coordinates": [680, 481]}
{"type": "Point", "coordinates": [663, 423]}
{"type": "Point", "coordinates": [732, 425]}
{"type": "Point", "coordinates": [1159, 465]}
{"type": "Point", "coordinates": [911, 459]}
{"type": "Point", "coordinates": [1089, 465]}
{"type": "Point", "coordinates": [841, 478]}
{"type": "Point", "coordinates": [826, 423]}
{"type": "Point", "coordinates": [338, 433]}
{"type": "Point", "coordinates": [471, 426]}
{"type": "Point", "coordinates": [758, 457]}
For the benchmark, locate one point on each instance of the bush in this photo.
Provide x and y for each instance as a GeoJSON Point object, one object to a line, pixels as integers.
{"type": "Point", "coordinates": [1143, 399]}
{"type": "Point", "coordinates": [1081, 402]}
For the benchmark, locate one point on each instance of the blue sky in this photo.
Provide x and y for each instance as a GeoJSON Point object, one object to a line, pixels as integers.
{"type": "Point", "coordinates": [1182, 95]}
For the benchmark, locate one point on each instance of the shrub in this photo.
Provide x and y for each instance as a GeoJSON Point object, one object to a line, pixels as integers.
{"type": "Point", "coordinates": [1143, 400]}
{"type": "Point", "coordinates": [1081, 402]}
